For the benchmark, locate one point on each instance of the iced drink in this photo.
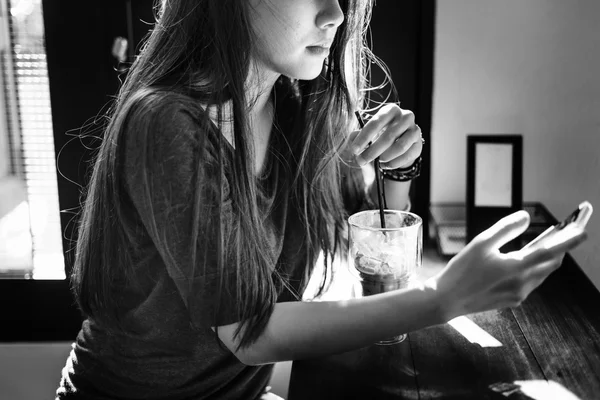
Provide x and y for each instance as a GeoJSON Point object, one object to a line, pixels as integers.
{"type": "Point", "coordinates": [385, 259]}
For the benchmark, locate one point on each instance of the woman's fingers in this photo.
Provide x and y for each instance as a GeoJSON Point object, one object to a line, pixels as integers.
{"type": "Point", "coordinates": [537, 264]}
{"type": "Point", "coordinates": [538, 267]}
{"type": "Point", "coordinates": [371, 130]}
{"type": "Point", "coordinates": [381, 143]}
{"type": "Point", "coordinates": [393, 128]}
{"type": "Point", "coordinates": [404, 150]}
{"type": "Point", "coordinates": [403, 161]}
{"type": "Point", "coordinates": [561, 243]}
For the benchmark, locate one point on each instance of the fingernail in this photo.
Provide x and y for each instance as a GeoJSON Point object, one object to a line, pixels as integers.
{"type": "Point", "coordinates": [356, 149]}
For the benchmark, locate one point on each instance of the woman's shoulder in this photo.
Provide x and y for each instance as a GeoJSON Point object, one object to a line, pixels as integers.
{"type": "Point", "coordinates": [166, 119]}
{"type": "Point", "coordinates": [165, 108]}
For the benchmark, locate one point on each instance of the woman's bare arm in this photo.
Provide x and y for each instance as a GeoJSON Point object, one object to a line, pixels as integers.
{"type": "Point", "coordinates": [299, 330]}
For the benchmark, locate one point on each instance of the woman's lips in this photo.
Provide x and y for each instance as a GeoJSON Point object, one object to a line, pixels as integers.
{"type": "Point", "coordinates": [318, 50]}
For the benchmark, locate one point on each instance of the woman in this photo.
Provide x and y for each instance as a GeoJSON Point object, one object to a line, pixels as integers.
{"type": "Point", "coordinates": [228, 165]}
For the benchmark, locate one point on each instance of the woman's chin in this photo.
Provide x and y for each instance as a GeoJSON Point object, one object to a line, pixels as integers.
{"type": "Point", "coordinates": [308, 73]}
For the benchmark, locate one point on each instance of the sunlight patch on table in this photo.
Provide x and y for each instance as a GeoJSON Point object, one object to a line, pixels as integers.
{"type": "Point", "coordinates": [473, 333]}
{"type": "Point", "coordinates": [534, 389]}
{"type": "Point", "coordinates": [541, 389]}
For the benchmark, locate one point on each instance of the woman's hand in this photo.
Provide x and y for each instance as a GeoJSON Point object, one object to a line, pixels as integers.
{"type": "Point", "coordinates": [480, 278]}
{"type": "Point", "coordinates": [394, 138]}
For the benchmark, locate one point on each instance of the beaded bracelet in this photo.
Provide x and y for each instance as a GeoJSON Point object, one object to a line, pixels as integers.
{"type": "Point", "coordinates": [403, 174]}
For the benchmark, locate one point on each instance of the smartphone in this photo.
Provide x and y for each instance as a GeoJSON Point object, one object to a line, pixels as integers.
{"type": "Point", "coordinates": [577, 219]}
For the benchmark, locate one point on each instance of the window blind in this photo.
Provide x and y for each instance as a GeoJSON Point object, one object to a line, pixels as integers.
{"type": "Point", "coordinates": [30, 135]}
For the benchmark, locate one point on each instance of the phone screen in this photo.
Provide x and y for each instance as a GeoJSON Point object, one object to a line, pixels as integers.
{"type": "Point", "coordinates": [568, 220]}
{"type": "Point", "coordinates": [553, 231]}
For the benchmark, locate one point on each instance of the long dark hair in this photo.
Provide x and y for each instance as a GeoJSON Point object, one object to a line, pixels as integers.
{"type": "Point", "coordinates": [203, 48]}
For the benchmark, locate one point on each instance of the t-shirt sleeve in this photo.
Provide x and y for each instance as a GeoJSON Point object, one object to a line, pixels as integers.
{"type": "Point", "coordinates": [173, 179]}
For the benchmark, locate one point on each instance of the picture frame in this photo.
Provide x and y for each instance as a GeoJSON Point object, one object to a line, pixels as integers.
{"type": "Point", "coordinates": [494, 180]}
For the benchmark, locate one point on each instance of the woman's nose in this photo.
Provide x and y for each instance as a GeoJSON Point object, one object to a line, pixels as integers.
{"type": "Point", "coordinates": [331, 16]}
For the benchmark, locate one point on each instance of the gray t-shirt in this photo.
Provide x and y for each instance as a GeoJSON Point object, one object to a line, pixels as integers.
{"type": "Point", "coordinates": [168, 350]}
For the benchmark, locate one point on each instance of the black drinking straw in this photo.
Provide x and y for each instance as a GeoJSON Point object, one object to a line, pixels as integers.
{"type": "Point", "coordinates": [377, 176]}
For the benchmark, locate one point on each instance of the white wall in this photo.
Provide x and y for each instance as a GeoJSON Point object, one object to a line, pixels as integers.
{"type": "Point", "coordinates": [529, 67]}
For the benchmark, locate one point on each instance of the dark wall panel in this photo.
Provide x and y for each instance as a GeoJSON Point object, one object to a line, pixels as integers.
{"type": "Point", "coordinates": [403, 38]}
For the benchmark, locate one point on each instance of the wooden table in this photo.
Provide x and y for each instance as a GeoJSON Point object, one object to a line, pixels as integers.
{"type": "Point", "coordinates": [548, 348]}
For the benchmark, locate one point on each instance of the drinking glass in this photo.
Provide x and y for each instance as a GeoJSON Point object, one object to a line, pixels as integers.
{"type": "Point", "coordinates": [385, 259]}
